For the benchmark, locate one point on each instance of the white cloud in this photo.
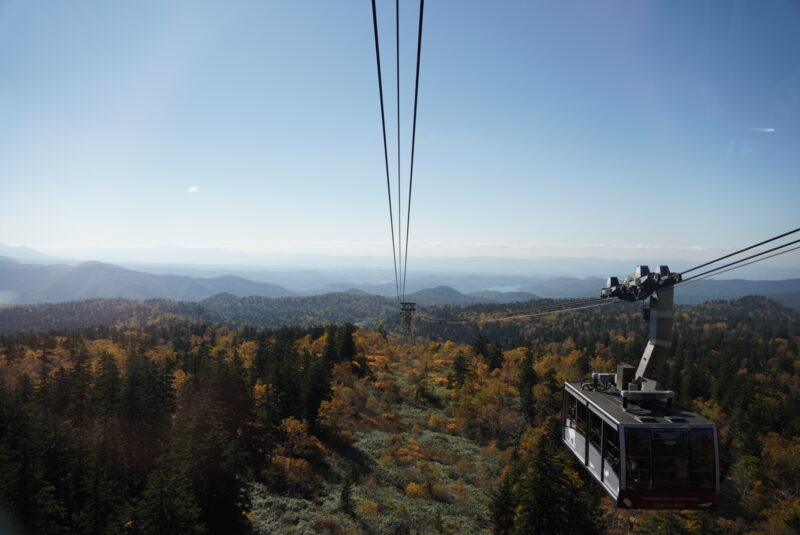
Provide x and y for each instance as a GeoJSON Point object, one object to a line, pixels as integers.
{"type": "Point", "coordinates": [193, 189]}
{"type": "Point", "coordinates": [768, 130]}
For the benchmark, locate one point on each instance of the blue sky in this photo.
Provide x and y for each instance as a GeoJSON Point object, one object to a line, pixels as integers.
{"type": "Point", "coordinates": [545, 128]}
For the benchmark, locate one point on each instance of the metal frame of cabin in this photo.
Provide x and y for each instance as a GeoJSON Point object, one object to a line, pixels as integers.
{"type": "Point", "coordinates": [676, 461]}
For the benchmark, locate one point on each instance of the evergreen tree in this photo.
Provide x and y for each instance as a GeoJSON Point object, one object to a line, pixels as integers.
{"type": "Point", "coordinates": [330, 353]}
{"type": "Point", "coordinates": [550, 499]}
{"type": "Point", "coordinates": [260, 361]}
{"type": "Point", "coordinates": [147, 404]}
{"type": "Point", "coordinates": [527, 381]}
{"type": "Point", "coordinates": [461, 369]}
{"type": "Point", "coordinates": [346, 497]}
{"type": "Point", "coordinates": [502, 506]}
{"type": "Point", "coordinates": [316, 388]}
{"type": "Point", "coordinates": [106, 388]}
{"type": "Point", "coordinates": [168, 504]}
{"type": "Point", "coordinates": [346, 343]}
{"type": "Point", "coordinates": [481, 346]}
{"type": "Point", "coordinates": [211, 458]}
{"type": "Point", "coordinates": [495, 357]}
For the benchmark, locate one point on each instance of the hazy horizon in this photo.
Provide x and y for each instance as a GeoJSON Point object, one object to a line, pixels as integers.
{"type": "Point", "coordinates": [378, 268]}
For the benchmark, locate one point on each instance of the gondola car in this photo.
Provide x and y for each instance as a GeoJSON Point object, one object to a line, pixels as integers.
{"type": "Point", "coordinates": [648, 456]}
{"type": "Point", "coordinates": [646, 451]}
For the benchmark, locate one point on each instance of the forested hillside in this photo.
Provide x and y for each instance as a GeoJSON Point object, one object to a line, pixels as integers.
{"type": "Point", "coordinates": [261, 312]}
{"type": "Point", "coordinates": [191, 428]}
{"type": "Point", "coordinates": [313, 310]}
{"type": "Point", "coordinates": [99, 312]}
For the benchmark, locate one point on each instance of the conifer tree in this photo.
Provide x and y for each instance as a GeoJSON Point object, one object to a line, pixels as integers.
{"type": "Point", "coordinates": [106, 387]}
{"type": "Point", "coordinates": [316, 387]}
{"type": "Point", "coordinates": [168, 504]}
{"type": "Point", "coordinates": [346, 344]}
{"type": "Point", "coordinates": [550, 498]}
{"type": "Point", "coordinates": [461, 369]}
{"type": "Point", "coordinates": [79, 379]}
{"type": "Point", "coordinates": [260, 361]}
{"type": "Point", "coordinates": [502, 506]}
{"type": "Point", "coordinates": [495, 357]}
{"type": "Point", "coordinates": [331, 353]}
{"type": "Point", "coordinates": [527, 381]}
{"type": "Point", "coordinates": [346, 497]}
{"type": "Point", "coordinates": [481, 346]}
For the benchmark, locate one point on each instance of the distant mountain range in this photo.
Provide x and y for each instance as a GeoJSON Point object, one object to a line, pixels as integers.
{"type": "Point", "coordinates": [24, 254]}
{"type": "Point", "coordinates": [785, 291]}
{"type": "Point", "coordinates": [36, 283]}
{"type": "Point", "coordinates": [23, 283]}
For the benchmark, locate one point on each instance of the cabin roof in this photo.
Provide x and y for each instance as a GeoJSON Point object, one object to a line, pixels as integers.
{"type": "Point", "coordinates": [651, 413]}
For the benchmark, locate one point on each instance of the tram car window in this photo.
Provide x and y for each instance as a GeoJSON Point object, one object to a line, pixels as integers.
{"type": "Point", "coordinates": [571, 411]}
{"type": "Point", "coordinates": [595, 430]}
{"type": "Point", "coordinates": [638, 466]}
{"type": "Point", "coordinates": [610, 454]}
{"type": "Point", "coordinates": [703, 466]}
{"type": "Point", "coordinates": [581, 419]}
{"type": "Point", "coordinates": [670, 459]}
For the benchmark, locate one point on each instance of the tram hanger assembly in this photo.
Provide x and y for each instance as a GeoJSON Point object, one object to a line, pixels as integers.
{"type": "Point", "coordinates": [646, 451]}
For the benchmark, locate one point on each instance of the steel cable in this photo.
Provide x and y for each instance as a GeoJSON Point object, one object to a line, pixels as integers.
{"type": "Point", "coordinates": [385, 147]}
{"type": "Point", "coordinates": [413, 141]}
{"type": "Point", "coordinates": [399, 189]}
{"type": "Point", "coordinates": [699, 278]}
{"type": "Point", "coordinates": [740, 251]}
{"type": "Point", "coordinates": [740, 260]}
{"type": "Point", "coordinates": [538, 312]}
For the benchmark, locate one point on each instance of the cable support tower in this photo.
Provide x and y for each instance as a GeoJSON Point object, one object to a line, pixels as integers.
{"type": "Point", "coordinates": [407, 310]}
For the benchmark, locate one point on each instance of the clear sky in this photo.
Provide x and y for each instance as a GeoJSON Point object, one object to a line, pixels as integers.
{"type": "Point", "coordinates": [545, 128]}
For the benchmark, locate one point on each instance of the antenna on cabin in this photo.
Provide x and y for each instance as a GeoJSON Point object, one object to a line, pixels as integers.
{"type": "Point", "coordinates": [408, 309]}
{"type": "Point", "coordinates": [658, 289]}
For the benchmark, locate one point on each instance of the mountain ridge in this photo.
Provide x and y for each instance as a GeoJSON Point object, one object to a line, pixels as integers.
{"type": "Point", "coordinates": [35, 283]}
{"type": "Point", "coordinates": [24, 283]}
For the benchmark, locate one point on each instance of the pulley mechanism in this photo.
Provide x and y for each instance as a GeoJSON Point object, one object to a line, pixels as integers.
{"type": "Point", "coordinates": [659, 288]}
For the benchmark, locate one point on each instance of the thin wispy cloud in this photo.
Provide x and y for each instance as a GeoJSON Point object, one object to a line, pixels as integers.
{"type": "Point", "coordinates": [193, 189]}
{"type": "Point", "coordinates": [767, 130]}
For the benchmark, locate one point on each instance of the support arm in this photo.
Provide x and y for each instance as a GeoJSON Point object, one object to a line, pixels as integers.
{"type": "Point", "coordinates": [659, 287]}
{"type": "Point", "coordinates": [660, 339]}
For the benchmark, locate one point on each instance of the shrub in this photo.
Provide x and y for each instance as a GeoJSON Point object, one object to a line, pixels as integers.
{"type": "Point", "coordinates": [329, 526]}
{"type": "Point", "coordinates": [367, 507]}
{"type": "Point", "coordinates": [417, 491]}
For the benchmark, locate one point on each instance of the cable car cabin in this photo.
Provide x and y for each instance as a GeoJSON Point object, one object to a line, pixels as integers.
{"type": "Point", "coordinates": [646, 456]}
